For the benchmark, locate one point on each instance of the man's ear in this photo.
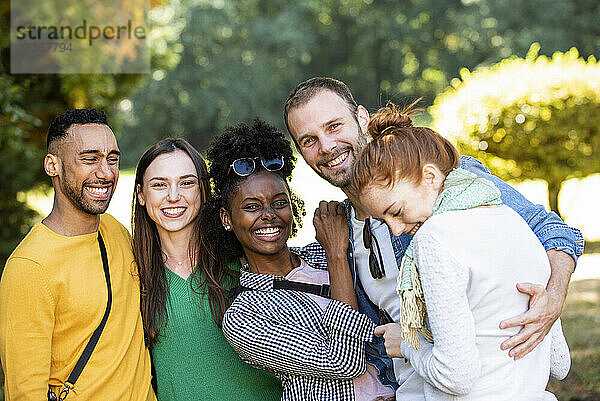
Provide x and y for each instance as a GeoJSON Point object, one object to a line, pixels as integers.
{"type": "Point", "coordinates": [52, 165]}
{"type": "Point", "coordinates": [362, 115]}
{"type": "Point", "coordinates": [140, 195]}
{"type": "Point", "coordinates": [225, 219]}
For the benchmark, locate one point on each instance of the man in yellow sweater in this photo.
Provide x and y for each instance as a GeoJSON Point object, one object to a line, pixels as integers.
{"type": "Point", "coordinates": [53, 292]}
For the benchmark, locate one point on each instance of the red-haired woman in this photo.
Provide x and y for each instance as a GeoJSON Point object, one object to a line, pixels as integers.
{"type": "Point", "coordinates": [455, 285]}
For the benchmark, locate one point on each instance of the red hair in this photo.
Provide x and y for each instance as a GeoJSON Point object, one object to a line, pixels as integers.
{"type": "Point", "coordinates": [399, 150]}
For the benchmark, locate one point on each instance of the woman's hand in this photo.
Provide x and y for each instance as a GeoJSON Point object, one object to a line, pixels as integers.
{"type": "Point", "coordinates": [392, 337]}
{"type": "Point", "coordinates": [331, 227]}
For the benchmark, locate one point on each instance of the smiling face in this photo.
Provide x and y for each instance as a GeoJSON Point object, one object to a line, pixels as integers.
{"type": "Point", "coordinates": [171, 191]}
{"type": "Point", "coordinates": [329, 136]}
{"type": "Point", "coordinates": [88, 157]}
{"type": "Point", "coordinates": [404, 206]}
{"type": "Point", "coordinates": [260, 214]}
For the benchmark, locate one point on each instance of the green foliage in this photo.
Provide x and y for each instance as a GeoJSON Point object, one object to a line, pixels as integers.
{"type": "Point", "coordinates": [28, 103]}
{"type": "Point", "coordinates": [45, 96]}
{"type": "Point", "coordinates": [397, 48]}
{"type": "Point", "coordinates": [239, 59]}
{"type": "Point", "coordinates": [16, 151]}
{"type": "Point", "coordinates": [532, 118]}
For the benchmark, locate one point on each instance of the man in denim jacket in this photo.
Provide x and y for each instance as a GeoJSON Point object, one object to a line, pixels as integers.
{"type": "Point", "coordinates": [328, 128]}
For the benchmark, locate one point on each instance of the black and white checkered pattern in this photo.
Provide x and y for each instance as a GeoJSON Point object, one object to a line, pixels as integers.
{"type": "Point", "coordinates": [315, 353]}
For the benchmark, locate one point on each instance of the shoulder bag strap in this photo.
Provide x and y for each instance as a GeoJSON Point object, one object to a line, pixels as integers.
{"type": "Point", "coordinates": [323, 290]}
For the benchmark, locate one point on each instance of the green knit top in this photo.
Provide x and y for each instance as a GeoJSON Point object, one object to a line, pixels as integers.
{"type": "Point", "coordinates": [193, 361]}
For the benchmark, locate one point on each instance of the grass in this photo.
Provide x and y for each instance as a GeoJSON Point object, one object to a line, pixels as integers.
{"type": "Point", "coordinates": [581, 324]}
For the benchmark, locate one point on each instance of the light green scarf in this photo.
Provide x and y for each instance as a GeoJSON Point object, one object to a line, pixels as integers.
{"type": "Point", "coordinates": [462, 190]}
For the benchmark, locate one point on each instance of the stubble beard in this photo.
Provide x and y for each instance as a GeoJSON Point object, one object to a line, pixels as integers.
{"type": "Point", "coordinates": [343, 179]}
{"type": "Point", "coordinates": [78, 199]}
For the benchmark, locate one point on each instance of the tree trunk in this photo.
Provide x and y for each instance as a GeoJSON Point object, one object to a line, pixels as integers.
{"type": "Point", "coordinates": [553, 190]}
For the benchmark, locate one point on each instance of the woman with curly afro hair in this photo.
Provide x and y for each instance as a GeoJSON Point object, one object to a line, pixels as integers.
{"type": "Point", "coordinates": [295, 311]}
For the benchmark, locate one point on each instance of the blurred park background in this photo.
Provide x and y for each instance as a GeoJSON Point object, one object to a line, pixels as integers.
{"type": "Point", "coordinates": [514, 83]}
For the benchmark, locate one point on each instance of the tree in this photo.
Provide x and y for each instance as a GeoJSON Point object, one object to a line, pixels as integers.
{"type": "Point", "coordinates": [16, 150]}
{"type": "Point", "coordinates": [238, 60]}
{"type": "Point", "coordinates": [532, 118]}
{"type": "Point", "coordinates": [397, 48]}
{"type": "Point", "coordinates": [44, 96]}
{"type": "Point", "coordinates": [28, 103]}
{"type": "Point", "coordinates": [48, 95]}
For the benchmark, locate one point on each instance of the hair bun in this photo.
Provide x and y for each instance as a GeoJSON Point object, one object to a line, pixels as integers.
{"type": "Point", "coordinates": [388, 118]}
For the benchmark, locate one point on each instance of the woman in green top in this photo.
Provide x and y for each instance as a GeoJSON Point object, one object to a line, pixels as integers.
{"type": "Point", "coordinates": [182, 301]}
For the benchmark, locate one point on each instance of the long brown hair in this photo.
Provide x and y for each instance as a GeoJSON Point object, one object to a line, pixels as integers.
{"type": "Point", "coordinates": [149, 256]}
{"type": "Point", "coordinates": [399, 150]}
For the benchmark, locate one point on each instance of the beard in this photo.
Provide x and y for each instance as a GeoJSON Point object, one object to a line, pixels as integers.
{"type": "Point", "coordinates": [78, 198]}
{"type": "Point", "coordinates": [343, 178]}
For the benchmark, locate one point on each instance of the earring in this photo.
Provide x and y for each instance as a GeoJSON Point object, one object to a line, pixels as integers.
{"type": "Point", "coordinates": [227, 227]}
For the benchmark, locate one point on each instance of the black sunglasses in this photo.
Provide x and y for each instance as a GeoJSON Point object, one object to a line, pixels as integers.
{"type": "Point", "coordinates": [246, 165]}
{"type": "Point", "coordinates": [370, 242]}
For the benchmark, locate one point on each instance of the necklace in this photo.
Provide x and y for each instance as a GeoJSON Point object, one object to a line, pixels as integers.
{"type": "Point", "coordinates": [175, 265]}
{"type": "Point", "coordinates": [181, 268]}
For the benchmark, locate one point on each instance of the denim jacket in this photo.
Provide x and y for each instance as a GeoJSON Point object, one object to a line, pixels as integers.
{"type": "Point", "coordinates": [552, 232]}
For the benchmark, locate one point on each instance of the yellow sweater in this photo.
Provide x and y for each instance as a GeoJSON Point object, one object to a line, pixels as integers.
{"type": "Point", "coordinates": [52, 297]}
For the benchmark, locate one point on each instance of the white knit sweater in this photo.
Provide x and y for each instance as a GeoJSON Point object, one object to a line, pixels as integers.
{"type": "Point", "coordinates": [470, 262]}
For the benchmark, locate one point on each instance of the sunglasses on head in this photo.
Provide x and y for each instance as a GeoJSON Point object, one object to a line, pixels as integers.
{"type": "Point", "coordinates": [246, 165]}
{"type": "Point", "coordinates": [370, 242]}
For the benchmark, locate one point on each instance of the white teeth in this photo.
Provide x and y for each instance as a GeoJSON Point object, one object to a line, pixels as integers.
{"type": "Point", "coordinates": [173, 211]}
{"type": "Point", "coordinates": [267, 231]}
{"type": "Point", "coordinates": [338, 160]}
{"type": "Point", "coordinates": [97, 190]}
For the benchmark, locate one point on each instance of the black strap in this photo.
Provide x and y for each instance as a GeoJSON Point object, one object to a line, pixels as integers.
{"type": "Point", "coordinates": [322, 290]}
{"type": "Point", "coordinates": [384, 317]}
{"type": "Point", "coordinates": [89, 348]}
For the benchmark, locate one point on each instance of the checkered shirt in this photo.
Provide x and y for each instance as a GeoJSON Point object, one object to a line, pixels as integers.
{"type": "Point", "coordinates": [315, 353]}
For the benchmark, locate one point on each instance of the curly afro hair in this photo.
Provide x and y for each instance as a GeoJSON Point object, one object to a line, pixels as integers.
{"type": "Point", "coordinates": [260, 140]}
